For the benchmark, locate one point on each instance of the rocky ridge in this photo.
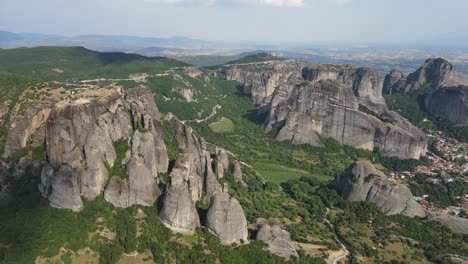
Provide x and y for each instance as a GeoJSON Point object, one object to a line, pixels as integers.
{"type": "Point", "coordinates": [79, 139]}
{"type": "Point", "coordinates": [436, 72]}
{"type": "Point", "coordinates": [447, 99]}
{"type": "Point", "coordinates": [308, 101]}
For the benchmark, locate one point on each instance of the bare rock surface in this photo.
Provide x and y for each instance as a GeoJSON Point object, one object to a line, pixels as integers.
{"type": "Point", "coordinates": [237, 173]}
{"type": "Point", "coordinates": [307, 101]}
{"type": "Point", "coordinates": [278, 240]}
{"type": "Point", "coordinates": [363, 182]}
{"type": "Point", "coordinates": [226, 219]}
{"type": "Point", "coordinates": [329, 109]}
{"type": "Point", "coordinates": [458, 225]}
{"type": "Point", "coordinates": [178, 212]}
{"type": "Point", "coordinates": [449, 103]}
{"type": "Point", "coordinates": [80, 148]}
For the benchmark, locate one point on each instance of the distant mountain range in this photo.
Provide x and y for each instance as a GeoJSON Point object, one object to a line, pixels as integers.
{"type": "Point", "coordinates": [208, 53]}
{"type": "Point", "coordinates": [104, 42]}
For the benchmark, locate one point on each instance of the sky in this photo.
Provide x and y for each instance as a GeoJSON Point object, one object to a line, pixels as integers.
{"type": "Point", "coordinates": [260, 21]}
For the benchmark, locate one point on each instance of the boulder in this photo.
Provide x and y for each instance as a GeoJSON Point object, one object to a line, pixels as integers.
{"type": "Point", "coordinates": [226, 219]}
{"type": "Point", "coordinates": [278, 240]}
{"type": "Point", "coordinates": [363, 182]}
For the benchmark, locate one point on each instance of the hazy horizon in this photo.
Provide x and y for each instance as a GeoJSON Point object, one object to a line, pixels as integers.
{"type": "Point", "coordinates": [338, 22]}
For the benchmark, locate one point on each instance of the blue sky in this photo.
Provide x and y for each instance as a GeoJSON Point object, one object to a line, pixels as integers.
{"type": "Point", "coordinates": [271, 21]}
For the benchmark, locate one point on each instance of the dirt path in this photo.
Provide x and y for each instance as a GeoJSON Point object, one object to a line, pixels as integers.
{"type": "Point", "coordinates": [335, 259]}
{"type": "Point", "coordinates": [214, 111]}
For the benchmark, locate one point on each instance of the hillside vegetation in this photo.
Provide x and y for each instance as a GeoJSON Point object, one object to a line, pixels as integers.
{"type": "Point", "coordinates": [75, 63]}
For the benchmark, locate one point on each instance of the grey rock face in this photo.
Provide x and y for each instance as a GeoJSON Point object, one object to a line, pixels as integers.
{"type": "Point", "coordinates": [189, 143]}
{"type": "Point", "coordinates": [395, 81]}
{"type": "Point", "coordinates": [278, 240]}
{"type": "Point", "coordinates": [458, 225]}
{"type": "Point", "coordinates": [141, 102]}
{"type": "Point", "coordinates": [329, 109]}
{"type": "Point", "coordinates": [24, 126]}
{"type": "Point", "coordinates": [363, 182]}
{"type": "Point", "coordinates": [261, 84]}
{"type": "Point", "coordinates": [436, 72]}
{"type": "Point", "coordinates": [449, 103]}
{"type": "Point", "coordinates": [222, 162]}
{"type": "Point", "coordinates": [61, 186]}
{"type": "Point", "coordinates": [237, 173]}
{"type": "Point", "coordinates": [179, 212]}
{"type": "Point", "coordinates": [226, 219]}
{"type": "Point", "coordinates": [4, 108]}
{"type": "Point", "coordinates": [305, 101]}
{"type": "Point", "coordinates": [365, 83]}
{"type": "Point", "coordinates": [212, 185]}
{"type": "Point", "coordinates": [117, 192]}
{"type": "Point", "coordinates": [79, 139]}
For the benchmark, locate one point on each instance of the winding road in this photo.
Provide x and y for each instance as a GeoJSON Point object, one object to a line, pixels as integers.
{"type": "Point", "coordinates": [335, 260]}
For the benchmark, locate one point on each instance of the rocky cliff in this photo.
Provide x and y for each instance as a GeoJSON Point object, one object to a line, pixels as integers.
{"type": "Point", "coordinates": [365, 83]}
{"type": "Point", "coordinates": [178, 211]}
{"type": "Point", "coordinates": [363, 182]}
{"type": "Point", "coordinates": [80, 140]}
{"type": "Point", "coordinates": [449, 103]}
{"type": "Point", "coordinates": [260, 80]}
{"type": "Point", "coordinates": [448, 97]}
{"type": "Point", "coordinates": [436, 72]}
{"type": "Point", "coordinates": [309, 101]}
{"type": "Point", "coordinates": [328, 108]}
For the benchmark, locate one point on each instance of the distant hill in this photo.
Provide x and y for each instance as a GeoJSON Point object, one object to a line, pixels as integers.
{"type": "Point", "coordinates": [63, 63]}
{"type": "Point", "coordinates": [257, 57]}
{"type": "Point", "coordinates": [98, 42]}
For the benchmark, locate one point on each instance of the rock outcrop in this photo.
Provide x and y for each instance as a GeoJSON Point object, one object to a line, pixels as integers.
{"type": "Point", "coordinates": [178, 212]}
{"type": "Point", "coordinates": [79, 140]}
{"type": "Point", "coordinates": [262, 79]}
{"type": "Point", "coordinates": [222, 162]}
{"type": "Point", "coordinates": [278, 240]}
{"type": "Point", "coordinates": [449, 103]}
{"type": "Point", "coordinates": [226, 219]}
{"type": "Point", "coordinates": [436, 72]}
{"type": "Point", "coordinates": [330, 109]}
{"type": "Point", "coordinates": [25, 126]}
{"type": "Point", "coordinates": [212, 185]}
{"type": "Point", "coordinates": [458, 225]}
{"type": "Point", "coordinates": [365, 83]}
{"type": "Point", "coordinates": [237, 173]}
{"type": "Point", "coordinates": [447, 99]}
{"type": "Point", "coordinates": [394, 82]}
{"type": "Point", "coordinates": [309, 101]}
{"type": "Point", "coordinates": [363, 182]}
